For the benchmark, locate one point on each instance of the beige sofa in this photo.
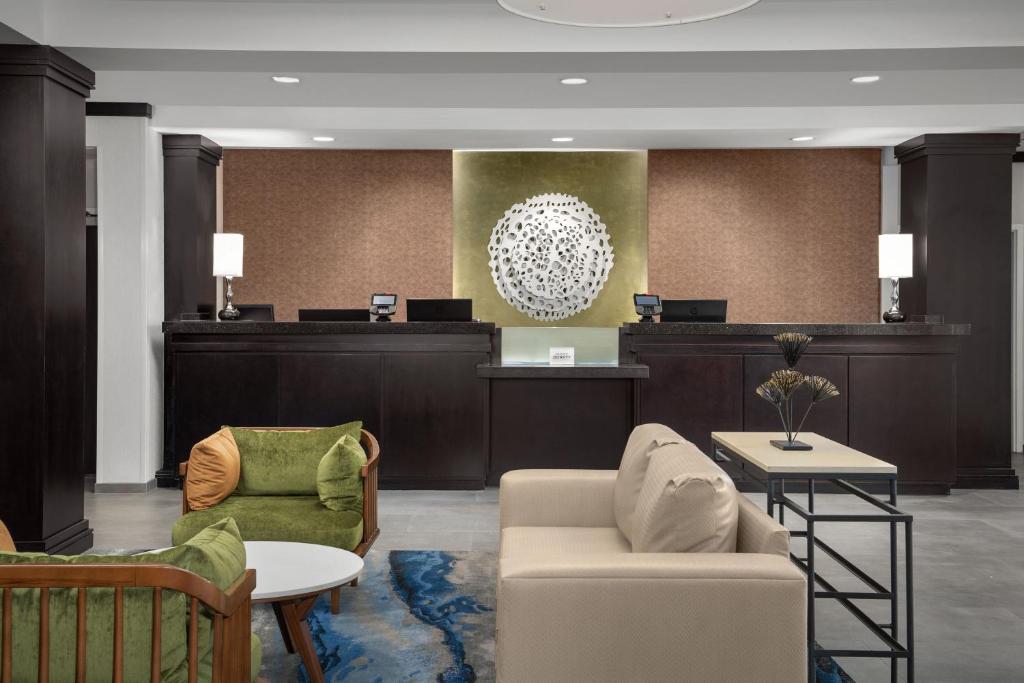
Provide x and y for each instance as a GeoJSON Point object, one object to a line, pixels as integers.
{"type": "Point", "coordinates": [575, 603]}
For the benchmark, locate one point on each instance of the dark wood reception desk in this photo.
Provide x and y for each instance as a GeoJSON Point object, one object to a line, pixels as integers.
{"type": "Point", "coordinates": [897, 387]}
{"type": "Point", "coordinates": [450, 415]}
{"type": "Point", "coordinates": [414, 385]}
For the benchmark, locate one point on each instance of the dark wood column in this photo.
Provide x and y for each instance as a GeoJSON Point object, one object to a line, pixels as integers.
{"type": "Point", "coordinates": [43, 307]}
{"type": "Point", "coordinates": [190, 219]}
{"type": "Point", "coordinates": [956, 198]}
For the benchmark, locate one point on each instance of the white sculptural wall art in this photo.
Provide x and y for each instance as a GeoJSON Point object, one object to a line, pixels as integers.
{"type": "Point", "coordinates": [550, 256]}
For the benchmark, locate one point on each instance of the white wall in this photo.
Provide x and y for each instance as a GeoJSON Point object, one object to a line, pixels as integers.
{"type": "Point", "coordinates": [130, 301]}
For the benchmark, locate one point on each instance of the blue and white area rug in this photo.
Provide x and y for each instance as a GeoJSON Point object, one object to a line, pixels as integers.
{"type": "Point", "coordinates": [416, 615]}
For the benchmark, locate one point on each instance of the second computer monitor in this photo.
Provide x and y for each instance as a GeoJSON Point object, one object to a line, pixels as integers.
{"type": "Point", "coordinates": [439, 310]}
{"type": "Point", "coordinates": [334, 315]}
{"type": "Point", "coordinates": [693, 310]}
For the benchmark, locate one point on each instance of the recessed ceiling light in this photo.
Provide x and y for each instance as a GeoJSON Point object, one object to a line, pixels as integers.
{"type": "Point", "coordinates": [865, 79]}
{"type": "Point", "coordinates": [323, 138]}
{"type": "Point", "coordinates": [574, 80]}
{"type": "Point", "coordinates": [562, 139]}
{"type": "Point", "coordinates": [803, 138]}
{"type": "Point", "coordinates": [285, 79]}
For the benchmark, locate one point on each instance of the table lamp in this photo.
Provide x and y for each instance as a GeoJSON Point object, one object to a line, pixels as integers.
{"type": "Point", "coordinates": [227, 263]}
{"type": "Point", "coordinates": [895, 260]}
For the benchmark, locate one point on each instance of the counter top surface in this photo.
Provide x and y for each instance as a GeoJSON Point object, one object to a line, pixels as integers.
{"type": "Point", "coordinates": [812, 329]}
{"type": "Point", "coordinates": [540, 370]}
{"type": "Point", "coordinates": [257, 327]}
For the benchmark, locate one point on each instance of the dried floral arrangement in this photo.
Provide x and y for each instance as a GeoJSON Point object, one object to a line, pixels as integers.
{"type": "Point", "coordinates": [780, 388]}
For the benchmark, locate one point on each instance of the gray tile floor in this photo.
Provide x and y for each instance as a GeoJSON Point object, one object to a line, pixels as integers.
{"type": "Point", "coordinates": [968, 561]}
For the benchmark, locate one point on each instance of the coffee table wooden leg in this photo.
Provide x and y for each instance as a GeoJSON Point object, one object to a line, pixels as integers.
{"type": "Point", "coordinates": [283, 626]}
{"type": "Point", "coordinates": [295, 621]}
{"type": "Point", "coordinates": [336, 600]}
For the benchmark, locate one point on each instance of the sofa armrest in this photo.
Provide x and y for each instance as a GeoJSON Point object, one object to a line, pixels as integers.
{"type": "Point", "coordinates": [652, 617]}
{"type": "Point", "coordinates": [557, 498]}
{"type": "Point", "coordinates": [759, 533]}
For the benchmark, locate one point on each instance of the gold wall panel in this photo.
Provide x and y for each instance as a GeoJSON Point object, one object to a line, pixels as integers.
{"type": "Point", "coordinates": [486, 184]}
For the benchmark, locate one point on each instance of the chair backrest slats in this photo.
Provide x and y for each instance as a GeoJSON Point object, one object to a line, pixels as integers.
{"type": "Point", "coordinates": [154, 660]}
{"type": "Point", "coordinates": [44, 635]}
{"type": "Point", "coordinates": [118, 634]}
{"type": "Point", "coordinates": [193, 642]}
{"type": "Point", "coordinates": [5, 653]}
{"type": "Point", "coordinates": [80, 637]}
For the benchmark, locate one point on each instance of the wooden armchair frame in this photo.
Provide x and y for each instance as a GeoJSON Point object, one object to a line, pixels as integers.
{"type": "Point", "coordinates": [231, 611]}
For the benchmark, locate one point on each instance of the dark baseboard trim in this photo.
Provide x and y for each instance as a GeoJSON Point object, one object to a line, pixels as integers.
{"type": "Point", "coordinates": [137, 109]}
{"type": "Point", "coordinates": [124, 487]}
{"type": "Point", "coordinates": [987, 478]}
{"type": "Point", "coordinates": [166, 479]}
{"type": "Point", "coordinates": [421, 484]}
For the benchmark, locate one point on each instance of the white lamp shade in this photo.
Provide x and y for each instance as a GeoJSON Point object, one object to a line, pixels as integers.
{"type": "Point", "coordinates": [227, 254]}
{"type": "Point", "coordinates": [896, 255]}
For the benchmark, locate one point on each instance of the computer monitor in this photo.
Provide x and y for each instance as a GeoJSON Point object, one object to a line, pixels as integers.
{"type": "Point", "coordinates": [256, 312]}
{"type": "Point", "coordinates": [334, 315]}
{"type": "Point", "coordinates": [439, 310]}
{"type": "Point", "coordinates": [693, 310]}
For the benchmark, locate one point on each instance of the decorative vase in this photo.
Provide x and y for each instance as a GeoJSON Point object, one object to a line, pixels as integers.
{"type": "Point", "coordinates": [780, 388]}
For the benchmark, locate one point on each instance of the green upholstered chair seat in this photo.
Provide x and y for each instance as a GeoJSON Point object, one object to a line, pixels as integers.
{"type": "Point", "coordinates": [301, 519]}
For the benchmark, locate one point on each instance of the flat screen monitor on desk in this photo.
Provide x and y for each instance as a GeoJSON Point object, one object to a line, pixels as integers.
{"type": "Point", "coordinates": [693, 310]}
{"type": "Point", "coordinates": [256, 312]}
{"type": "Point", "coordinates": [439, 310]}
{"type": "Point", "coordinates": [334, 315]}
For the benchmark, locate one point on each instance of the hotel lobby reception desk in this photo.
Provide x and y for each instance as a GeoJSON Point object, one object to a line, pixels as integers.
{"type": "Point", "coordinates": [450, 415]}
{"type": "Point", "coordinates": [414, 385]}
{"type": "Point", "coordinates": [897, 387]}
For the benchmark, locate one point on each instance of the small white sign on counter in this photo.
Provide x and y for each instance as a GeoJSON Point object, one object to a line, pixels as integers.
{"type": "Point", "coordinates": [562, 355]}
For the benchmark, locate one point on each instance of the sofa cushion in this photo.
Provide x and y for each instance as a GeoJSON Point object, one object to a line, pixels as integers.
{"type": "Point", "coordinates": [633, 467]}
{"type": "Point", "coordinates": [283, 463]}
{"type": "Point", "coordinates": [338, 479]}
{"type": "Point", "coordinates": [217, 554]}
{"type": "Point", "coordinates": [213, 470]}
{"type": "Point", "coordinates": [555, 540]}
{"type": "Point", "coordinates": [279, 518]}
{"type": "Point", "coordinates": [687, 504]}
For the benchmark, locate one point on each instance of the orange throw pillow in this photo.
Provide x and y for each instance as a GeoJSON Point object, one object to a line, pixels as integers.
{"type": "Point", "coordinates": [213, 470]}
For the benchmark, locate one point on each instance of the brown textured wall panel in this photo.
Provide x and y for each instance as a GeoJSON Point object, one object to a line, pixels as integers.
{"type": "Point", "coordinates": [327, 228]}
{"type": "Point", "coordinates": [784, 235]}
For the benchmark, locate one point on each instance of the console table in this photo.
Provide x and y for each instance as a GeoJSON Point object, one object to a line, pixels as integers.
{"type": "Point", "coordinates": [833, 462]}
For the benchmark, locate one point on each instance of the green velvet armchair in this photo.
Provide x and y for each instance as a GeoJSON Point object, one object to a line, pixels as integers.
{"type": "Point", "coordinates": [299, 518]}
{"type": "Point", "coordinates": [130, 618]}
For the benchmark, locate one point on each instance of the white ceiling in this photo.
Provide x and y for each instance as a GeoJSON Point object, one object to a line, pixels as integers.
{"type": "Point", "coordinates": [468, 74]}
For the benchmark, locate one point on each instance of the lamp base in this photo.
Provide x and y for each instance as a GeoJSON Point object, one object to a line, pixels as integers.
{"type": "Point", "coordinates": [894, 315]}
{"type": "Point", "coordinates": [229, 314]}
{"type": "Point", "coordinates": [781, 444]}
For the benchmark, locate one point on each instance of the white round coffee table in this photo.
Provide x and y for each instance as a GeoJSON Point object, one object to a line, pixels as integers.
{"type": "Point", "coordinates": [290, 577]}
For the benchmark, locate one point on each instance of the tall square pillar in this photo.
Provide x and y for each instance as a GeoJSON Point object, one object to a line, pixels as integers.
{"type": "Point", "coordinates": [956, 198]}
{"type": "Point", "coordinates": [43, 307]}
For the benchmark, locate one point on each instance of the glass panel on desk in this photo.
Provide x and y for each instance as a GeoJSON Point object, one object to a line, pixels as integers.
{"type": "Point", "coordinates": [531, 345]}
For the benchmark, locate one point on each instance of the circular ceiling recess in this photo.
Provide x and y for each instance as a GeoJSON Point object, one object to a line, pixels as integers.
{"type": "Point", "coordinates": [624, 13]}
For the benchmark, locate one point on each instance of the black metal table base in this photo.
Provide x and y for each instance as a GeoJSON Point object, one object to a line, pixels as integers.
{"type": "Point", "coordinates": [819, 587]}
